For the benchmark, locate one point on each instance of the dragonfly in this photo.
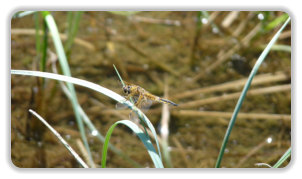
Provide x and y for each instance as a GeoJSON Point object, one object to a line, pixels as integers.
{"type": "Point", "coordinates": [141, 98]}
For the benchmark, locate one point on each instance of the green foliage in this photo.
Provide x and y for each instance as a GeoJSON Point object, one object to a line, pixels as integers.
{"type": "Point", "coordinates": [276, 22]}
{"type": "Point", "coordinates": [73, 26]}
{"type": "Point", "coordinates": [285, 156]}
{"type": "Point", "coordinates": [22, 14]}
{"type": "Point", "coordinates": [142, 136]}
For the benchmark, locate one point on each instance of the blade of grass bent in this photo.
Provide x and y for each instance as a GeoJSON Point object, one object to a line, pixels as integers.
{"type": "Point", "coordinates": [283, 158]}
{"type": "Point", "coordinates": [244, 91]}
{"type": "Point", "coordinates": [76, 81]}
{"type": "Point", "coordinates": [142, 136]}
{"type": "Point", "coordinates": [22, 14]}
{"type": "Point", "coordinates": [65, 68]}
{"type": "Point", "coordinates": [86, 84]}
{"type": "Point", "coordinates": [76, 156]}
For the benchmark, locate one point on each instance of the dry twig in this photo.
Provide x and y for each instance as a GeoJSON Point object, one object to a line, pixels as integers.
{"type": "Point", "coordinates": [78, 41]}
{"type": "Point", "coordinates": [259, 79]}
{"type": "Point", "coordinates": [272, 89]}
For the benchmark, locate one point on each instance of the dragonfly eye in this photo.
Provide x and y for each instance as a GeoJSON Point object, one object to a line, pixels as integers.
{"type": "Point", "coordinates": [125, 90]}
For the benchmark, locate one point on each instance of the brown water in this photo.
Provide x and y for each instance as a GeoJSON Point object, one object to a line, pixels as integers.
{"type": "Point", "coordinates": [153, 54]}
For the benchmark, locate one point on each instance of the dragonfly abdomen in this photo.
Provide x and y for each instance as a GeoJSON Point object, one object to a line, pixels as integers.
{"type": "Point", "coordinates": [167, 101]}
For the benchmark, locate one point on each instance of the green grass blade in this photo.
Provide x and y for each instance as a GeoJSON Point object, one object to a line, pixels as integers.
{"type": "Point", "coordinates": [279, 20]}
{"type": "Point", "coordinates": [66, 71]}
{"type": "Point", "coordinates": [244, 91]}
{"type": "Point", "coordinates": [68, 147]}
{"type": "Point", "coordinates": [285, 48]}
{"type": "Point", "coordinates": [22, 14]}
{"type": "Point", "coordinates": [142, 136]}
{"type": "Point", "coordinates": [166, 154]}
{"type": "Point", "coordinates": [119, 76]}
{"type": "Point", "coordinates": [76, 81]}
{"type": "Point", "coordinates": [37, 35]}
{"type": "Point", "coordinates": [73, 26]}
{"type": "Point", "coordinates": [143, 117]}
{"type": "Point", "coordinates": [96, 133]}
{"type": "Point", "coordinates": [69, 21]}
{"type": "Point", "coordinates": [44, 47]}
{"type": "Point", "coordinates": [283, 158]}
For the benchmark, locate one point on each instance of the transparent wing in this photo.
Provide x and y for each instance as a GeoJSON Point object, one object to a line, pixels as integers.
{"type": "Point", "coordinates": [133, 116]}
{"type": "Point", "coordinates": [120, 106]}
{"type": "Point", "coordinates": [145, 104]}
{"type": "Point", "coordinates": [123, 106]}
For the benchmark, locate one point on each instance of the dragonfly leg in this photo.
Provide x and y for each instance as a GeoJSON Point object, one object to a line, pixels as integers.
{"type": "Point", "coordinates": [139, 100]}
{"type": "Point", "coordinates": [128, 96]}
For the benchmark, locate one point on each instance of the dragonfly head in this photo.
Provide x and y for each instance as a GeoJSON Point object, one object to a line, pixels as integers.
{"type": "Point", "coordinates": [126, 89]}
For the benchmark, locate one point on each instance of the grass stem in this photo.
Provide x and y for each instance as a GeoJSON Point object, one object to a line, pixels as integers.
{"type": "Point", "coordinates": [76, 156]}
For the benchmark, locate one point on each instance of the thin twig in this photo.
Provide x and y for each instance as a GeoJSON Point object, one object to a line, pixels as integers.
{"type": "Point", "coordinates": [259, 79]}
{"type": "Point", "coordinates": [226, 55]}
{"type": "Point", "coordinates": [183, 152]}
{"type": "Point", "coordinates": [271, 89]}
{"type": "Point", "coordinates": [242, 24]}
{"type": "Point", "coordinates": [209, 114]}
{"type": "Point", "coordinates": [164, 130]}
{"type": "Point", "coordinates": [164, 127]}
{"type": "Point", "coordinates": [84, 152]}
{"type": "Point", "coordinates": [78, 41]}
{"type": "Point", "coordinates": [211, 17]}
{"type": "Point", "coordinates": [151, 60]}
{"type": "Point", "coordinates": [155, 21]}
{"type": "Point", "coordinates": [229, 19]}
{"type": "Point", "coordinates": [246, 40]}
{"type": "Point", "coordinates": [263, 164]}
{"type": "Point", "coordinates": [76, 156]}
{"type": "Point", "coordinates": [218, 114]}
{"type": "Point", "coordinates": [285, 34]}
{"type": "Point", "coordinates": [251, 153]}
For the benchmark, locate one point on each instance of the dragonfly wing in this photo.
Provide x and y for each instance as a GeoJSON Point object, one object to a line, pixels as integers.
{"type": "Point", "coordinates": [145, 104]}
{"type": "Point", "coordinates": [133, 116]}
{"type": "Point", "coordinates": [120, 106]}
{"type": "Point", "coordinates": [123, 106]}
{"type": "Point", "coordinates": [135, 98]}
